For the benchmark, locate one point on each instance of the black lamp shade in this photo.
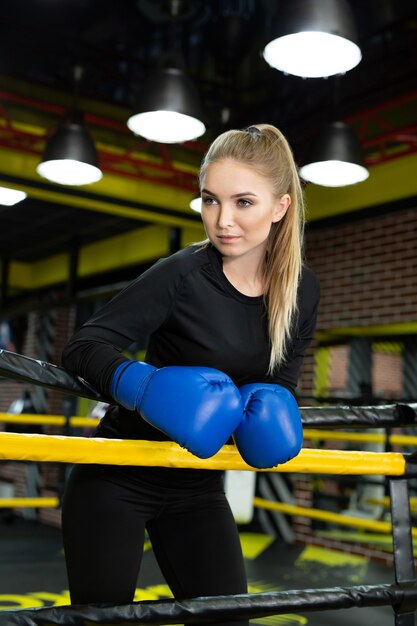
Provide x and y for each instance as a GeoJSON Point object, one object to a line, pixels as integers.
{"type": "Point", "coordinates": [336, 158]}
{"type": "Point", "coordinates": [71, 141]}
{"type": "Point", "coordinates": [170, 89]}
{"type": "Point", "coordinates": [70, 156]}
{"type": "Point", "coordinates": [314, 38]}
{"type": "Point", "coordinates": [169, 109]}
{"type": "Point", "coordinates": [337, 142]}
{"type": "Point", "coordinates": [330, 16]}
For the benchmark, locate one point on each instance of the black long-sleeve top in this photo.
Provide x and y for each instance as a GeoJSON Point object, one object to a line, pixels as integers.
{"type": "Point", "coordinates": [193, 316]}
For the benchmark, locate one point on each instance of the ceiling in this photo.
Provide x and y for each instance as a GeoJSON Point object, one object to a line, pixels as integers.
{"type": "Point", "coordinates": [117, 43]}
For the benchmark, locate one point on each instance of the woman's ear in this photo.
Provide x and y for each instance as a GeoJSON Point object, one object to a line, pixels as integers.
{"type": "Point", "coordinates": [281, 207]}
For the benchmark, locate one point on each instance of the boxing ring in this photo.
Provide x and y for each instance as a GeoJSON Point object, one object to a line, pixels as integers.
{"type": "Point", "coordinates": [401, 595]}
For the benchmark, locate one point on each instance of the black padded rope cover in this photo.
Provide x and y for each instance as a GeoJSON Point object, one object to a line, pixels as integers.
{"type": "Point", "coordinates": [23, 368]}
{"type": "Point", "coordinates": [208, 609]}
{"type": "Point", "coordinates": [379, 416]}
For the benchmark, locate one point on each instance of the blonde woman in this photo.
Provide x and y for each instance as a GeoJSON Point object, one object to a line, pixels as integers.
{"type": "Point", "coordinates": [228, 321]}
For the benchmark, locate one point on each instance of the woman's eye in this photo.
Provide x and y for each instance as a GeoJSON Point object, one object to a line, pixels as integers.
{"type": "Point", "coordinates": [208, 201]}
{"type": "Point", "coordinates": [244, 203]}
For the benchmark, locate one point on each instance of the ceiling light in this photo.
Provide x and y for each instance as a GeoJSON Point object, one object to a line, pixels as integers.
{"type": "Point", "coordinates": [70, 157]}
{"type": "Point", "coordinates": [314, 38]}
{"type": "Point", "coordinates": [169, 110]}
{"type": "Point", "coordinates": [336, 158]}
{"type": "Point", "coordinates": [195, 204]}
{"type": "Point", "coordinates": [9, 197]}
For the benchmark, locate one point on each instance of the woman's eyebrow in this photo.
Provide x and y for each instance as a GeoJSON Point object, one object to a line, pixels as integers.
{"type": "Point", "coordinates": [235, 195]}
{"type": "Point", "coordinates": [210, 193]}
{"type": "Point", "coordinates": [243, 193]}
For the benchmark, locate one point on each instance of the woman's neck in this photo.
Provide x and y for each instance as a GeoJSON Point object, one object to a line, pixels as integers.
{"type": "Point", "coordinates": [245, 277]}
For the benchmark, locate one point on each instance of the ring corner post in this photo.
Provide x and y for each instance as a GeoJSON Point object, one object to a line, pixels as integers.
{"type": "Point", "coordinates": [405, 576]}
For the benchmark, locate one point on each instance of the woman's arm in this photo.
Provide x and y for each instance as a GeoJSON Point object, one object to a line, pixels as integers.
{"type": "Point", "coordinates": [95, 351]}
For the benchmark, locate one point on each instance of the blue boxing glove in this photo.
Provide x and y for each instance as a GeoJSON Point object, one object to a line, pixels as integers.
{"type": "Point", "coordinates": [270, 432]}
{"type": "Point", "coordinates": [198, 407]}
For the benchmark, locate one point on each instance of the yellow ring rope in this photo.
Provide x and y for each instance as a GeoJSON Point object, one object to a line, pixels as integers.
{"type": "Point", "coordinates": [48, 420]}
{"type": "Point", "coordinates": [30, 447]}
{"type": "Point", "coordinates": [327, 516]}
{"type": "Point", "coordinates": [289, 509]}
{"type": "Point", "coordinates": [386, 503]}
{"type": "Point", "coordinates": [11, 503]}
{"type": "Point", "coordinates": [401, 440]}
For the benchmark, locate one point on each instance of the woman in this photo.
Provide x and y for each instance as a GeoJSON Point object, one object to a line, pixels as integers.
{"type": "Point", "coordinates": [235, 313]}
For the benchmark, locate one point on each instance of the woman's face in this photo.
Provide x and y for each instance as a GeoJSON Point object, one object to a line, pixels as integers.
{"type": "Point", "coordinates": [238, 208]}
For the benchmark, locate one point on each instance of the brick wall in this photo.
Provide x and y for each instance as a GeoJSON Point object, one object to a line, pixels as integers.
{"type": "Point", "coordinates": [64, 327]}
{"type": "Point", "coordinates": [306, 377]}
{"type": "Point", "coordinates": [367, 269]}
{"type": "Point", "coordinates": [368, 274]}
{"type": "Point", "coordinates": [338, 377]}
{"type": "Point", "coordinates": [50, 475]}
{"type": "Point", "coordinates": [64, 324]}
{"type": "Point", "coordinates": [387, 375]}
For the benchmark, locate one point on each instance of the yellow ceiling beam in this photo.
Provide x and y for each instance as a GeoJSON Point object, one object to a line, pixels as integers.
{"type": "Point", "coordinates": [48, 271]}
{"type": "Point", "coordinates": [387, 182]}
{"type": "Point", "coordinates": [141, 245]}
{"type": "Point", "coordinates": [192, 234]}
{"type": "Point", "coordinates": [374, 330]}
{"type": "Point", "coordinates": [19, 275]}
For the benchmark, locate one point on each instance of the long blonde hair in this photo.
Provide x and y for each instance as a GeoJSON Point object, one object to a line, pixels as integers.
{"type": "Point", "coordinates": [265, 148]}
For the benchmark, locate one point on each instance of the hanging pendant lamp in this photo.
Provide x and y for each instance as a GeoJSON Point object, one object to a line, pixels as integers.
{"type": "Point", "coordinates": [169, 110]}
{"type": "Point", "coordinates": [336, 158]}
{"type": "Point", "coordinates": [195, 204]}
{"type": "Point", "coordinates": [9, 197]}
{"type": "Point", "coordinates": [70, 157]}
{"type": "Point", "coordinates": [314, 38]}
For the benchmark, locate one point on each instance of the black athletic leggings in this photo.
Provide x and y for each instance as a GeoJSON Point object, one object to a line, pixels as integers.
{"type": "Point", "coordinates": [194, 536]}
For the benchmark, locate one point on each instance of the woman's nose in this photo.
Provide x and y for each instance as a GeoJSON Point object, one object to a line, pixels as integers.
{"type": "Point", "coordinates": [225, 217]}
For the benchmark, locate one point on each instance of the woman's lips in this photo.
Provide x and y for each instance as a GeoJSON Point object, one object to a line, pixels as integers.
{"type": "Point", "coordinates": [227, 238]}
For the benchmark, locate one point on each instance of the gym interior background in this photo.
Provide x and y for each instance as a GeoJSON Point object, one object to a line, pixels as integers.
{"type": "Point", "coordinates": [65, 250]}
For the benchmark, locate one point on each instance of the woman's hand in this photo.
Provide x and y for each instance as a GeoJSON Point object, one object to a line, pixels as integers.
{"type": "Point", "coordinates": [198, 407]}
{"type": "Point", "coordinates": [270, 432]}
